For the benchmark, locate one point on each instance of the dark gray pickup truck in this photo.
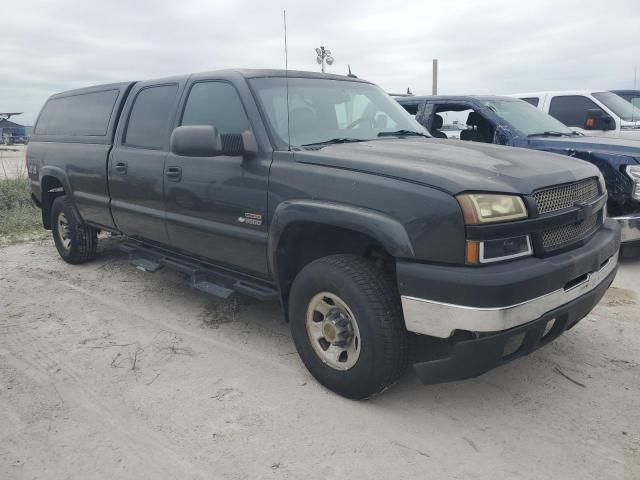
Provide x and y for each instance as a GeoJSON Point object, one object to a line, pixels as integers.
{"type": "Point", "coordinates": [385, 247]}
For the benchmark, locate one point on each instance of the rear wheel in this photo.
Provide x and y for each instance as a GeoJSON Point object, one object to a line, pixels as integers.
{"type": "Point", "coordinates": [347, 325]}
{"type": "Point", "coordinates": [75, 241]}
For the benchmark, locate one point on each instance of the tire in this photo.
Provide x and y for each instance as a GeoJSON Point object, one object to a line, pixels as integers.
{"type": "Point", "coordinates": [357, 294]}
{"type": "Point", "coordinates": [75, 241]}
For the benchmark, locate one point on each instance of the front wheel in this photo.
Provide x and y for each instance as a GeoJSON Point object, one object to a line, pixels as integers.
{"type": "Point", "coordinates": [347, 325]}
{"type": "Point", "coordinates": [76, 242]}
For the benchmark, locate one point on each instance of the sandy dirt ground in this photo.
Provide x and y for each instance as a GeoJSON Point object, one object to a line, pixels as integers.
{"type": "Point", "coordinates": [12, 161]}
{"type": "Point", "coordinates": [107, 372]}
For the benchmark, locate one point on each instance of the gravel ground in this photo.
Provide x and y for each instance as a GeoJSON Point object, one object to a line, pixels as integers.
{"type": "Point", "coordinates": [109, 372]}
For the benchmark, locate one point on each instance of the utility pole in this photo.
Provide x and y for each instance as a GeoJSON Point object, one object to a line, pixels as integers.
{"type": "Point", "coordinates": [323, 56]}
{"type": "Point", "coordinates": [434, 84]}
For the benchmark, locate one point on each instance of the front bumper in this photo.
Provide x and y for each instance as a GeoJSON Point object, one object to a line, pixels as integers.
{"type": "Point", "coordinates": [442, 319]}
{"type": "Point", "coordinates": [630, 227]}
{"type": "Point", "coordinates": [470, 358]}
{"type": "Point", "coordinates": [475, 312]}
{"type": "Point", "coordinates": [437, 300]}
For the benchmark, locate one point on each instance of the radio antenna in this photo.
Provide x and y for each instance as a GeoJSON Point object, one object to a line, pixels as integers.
{"type": "Point", "coordinates": [286, 78]}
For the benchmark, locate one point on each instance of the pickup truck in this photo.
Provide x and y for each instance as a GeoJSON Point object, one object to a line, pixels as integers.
{"type": "Point", "coordinates": [513, 122]}
{"type": "Point", "coordinates": [321, 192]}
{"type": "Point", "coordinates": [592, 112]}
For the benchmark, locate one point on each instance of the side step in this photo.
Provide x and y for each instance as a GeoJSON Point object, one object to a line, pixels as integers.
{"type": "Point", "coordinates": [207, 278]}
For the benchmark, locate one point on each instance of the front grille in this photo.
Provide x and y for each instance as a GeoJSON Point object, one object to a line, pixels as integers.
{"type": "Point", "coordinates": [564, 196]}
{"type": "Point", "coordinates": [559, 236]}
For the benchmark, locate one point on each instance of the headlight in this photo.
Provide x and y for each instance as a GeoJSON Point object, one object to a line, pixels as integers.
{"type": "Point", "coordinates": [480, 208]}
{"type": "Point", "coordinates": [634, 172]}
{"type": "Point", "coordinates": [489, 207]}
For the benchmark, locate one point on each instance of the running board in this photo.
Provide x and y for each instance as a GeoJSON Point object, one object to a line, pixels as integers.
{"type": "Point", "coordinates": [209, 279]}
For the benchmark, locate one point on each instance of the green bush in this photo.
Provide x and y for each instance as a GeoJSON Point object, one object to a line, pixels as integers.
{"type": "Point", "coordinates": [14, 193]}
{"type": "Point", "coordinates": [19, 219]}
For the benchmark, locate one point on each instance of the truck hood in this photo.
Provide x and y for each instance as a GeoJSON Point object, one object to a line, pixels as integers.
{"type": "Point", "coordinates": [451, 165]}
{"type": "Point", "coordinates": [588, 144]}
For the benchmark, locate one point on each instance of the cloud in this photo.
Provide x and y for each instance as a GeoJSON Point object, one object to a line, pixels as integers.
{"type": "Point", "coordinates": [492, 46]}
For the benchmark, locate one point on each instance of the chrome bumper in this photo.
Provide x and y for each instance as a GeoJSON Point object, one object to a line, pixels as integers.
{"type": "Point", "coordinates": [437, 319]}
{"type": "Point", "coordinates": [630, 226]}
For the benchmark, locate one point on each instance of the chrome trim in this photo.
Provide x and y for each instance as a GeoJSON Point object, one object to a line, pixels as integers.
{"type": "Point", "coordinates": [630, 227]}
{"type": "Point", "coordinates": [437, 319]}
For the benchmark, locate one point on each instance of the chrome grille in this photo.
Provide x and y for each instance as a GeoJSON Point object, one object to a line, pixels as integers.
{"type": "Point", "coordinates": [565, 196]}
{"type": "Point", "coordinates": [558, 236]}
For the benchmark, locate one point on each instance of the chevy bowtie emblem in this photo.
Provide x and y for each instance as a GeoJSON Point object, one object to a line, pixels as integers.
{"type": "Point", "coordinates": [583, 210]}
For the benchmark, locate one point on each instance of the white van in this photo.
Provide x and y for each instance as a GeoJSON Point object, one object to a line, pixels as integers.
{"type": "Point", "coordinates": [596, 113]}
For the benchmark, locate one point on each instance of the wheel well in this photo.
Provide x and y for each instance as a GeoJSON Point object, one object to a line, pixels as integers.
{"type": "Point", "coordinates": [303, 242]}
{"type": "Point", "coordinates": [51, 188]}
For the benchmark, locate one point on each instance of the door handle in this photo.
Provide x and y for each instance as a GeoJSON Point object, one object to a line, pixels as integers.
{"type": "Point", "coordinates": [174, 174]}
{"type": "Point", "coordinates": [121, 168]}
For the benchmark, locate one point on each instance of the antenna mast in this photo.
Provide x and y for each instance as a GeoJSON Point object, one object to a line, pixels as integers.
{"type": "Point", "coordinates": [286, 78]}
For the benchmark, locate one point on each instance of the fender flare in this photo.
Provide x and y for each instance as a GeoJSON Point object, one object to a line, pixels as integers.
{"type": "Point", "coordinates": [60, 175]}
{"type": "Point", "coordinates": [389, 232]}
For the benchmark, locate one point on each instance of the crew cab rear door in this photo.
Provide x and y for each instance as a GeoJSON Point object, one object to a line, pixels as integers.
{"type": "Point", "coordinates": [217, 206]}
{"type": "Point", "coordinates": [136, 163]}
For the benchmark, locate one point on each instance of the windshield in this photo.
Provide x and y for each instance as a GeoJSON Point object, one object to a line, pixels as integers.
{"type": "Point", "coordinates": [618, 105]}
{"type": "Point", "coordinates": [525, 118]}
{"type": "Point", "coordinates": [322, 110]}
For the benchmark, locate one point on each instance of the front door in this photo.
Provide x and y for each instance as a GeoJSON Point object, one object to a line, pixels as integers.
{"type": "Point", "coordinates": [217, 206]}
{"type": "Point", "coordinates": [136, 164]}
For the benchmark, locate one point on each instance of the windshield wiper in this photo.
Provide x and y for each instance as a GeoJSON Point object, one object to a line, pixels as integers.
{"type": "Point", "coordinates": [332, 141]}
{"type": "Point", "coordinates": [550, 133]}
{"type": "Point", "coordinates": [402, 133]}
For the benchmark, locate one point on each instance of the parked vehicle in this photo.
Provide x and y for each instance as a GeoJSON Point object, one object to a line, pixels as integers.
{"type": "Point", "coordinates": [13, 136]}
{"type": "Point", "coordinates": [322, 192]}
{"type": "Point", "coordinates": [594, 113]}
{"type": "Point", "coordinates": [512, 122]}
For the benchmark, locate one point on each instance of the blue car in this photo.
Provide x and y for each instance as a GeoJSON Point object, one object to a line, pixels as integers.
{"type": "Point", "coordinates": [513, 122]}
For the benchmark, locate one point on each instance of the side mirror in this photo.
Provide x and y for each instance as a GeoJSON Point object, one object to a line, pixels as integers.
{"type": "Point", "coordinates": [597, 119]}
{"type": "Point", "coordinates": [196, 141]}
{"type": "Point", "coordinates": [205, 141]}
{"type": "Point", "coordinates": [501, 136]}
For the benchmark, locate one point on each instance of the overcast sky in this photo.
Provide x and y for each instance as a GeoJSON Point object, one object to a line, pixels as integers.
{"type": "Point", "coordinates": [484, 46]}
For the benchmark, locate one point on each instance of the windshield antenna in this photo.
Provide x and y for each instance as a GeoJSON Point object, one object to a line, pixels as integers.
{"type": "Point", "coordinates": [635, 87]}
{"type": "Point", "coordinates": [286, 78]}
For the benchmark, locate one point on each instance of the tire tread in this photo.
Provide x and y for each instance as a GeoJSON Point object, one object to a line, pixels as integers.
{"type": "Point", "coordinates": [84, 243]}
{"type": "Point", "coordinates": [381, 293]}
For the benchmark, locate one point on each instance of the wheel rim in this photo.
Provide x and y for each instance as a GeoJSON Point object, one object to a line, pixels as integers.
{"type": "Point", "coordinates": [333, 331]}
{"type": "Point", "coordinates": [64, 231]}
